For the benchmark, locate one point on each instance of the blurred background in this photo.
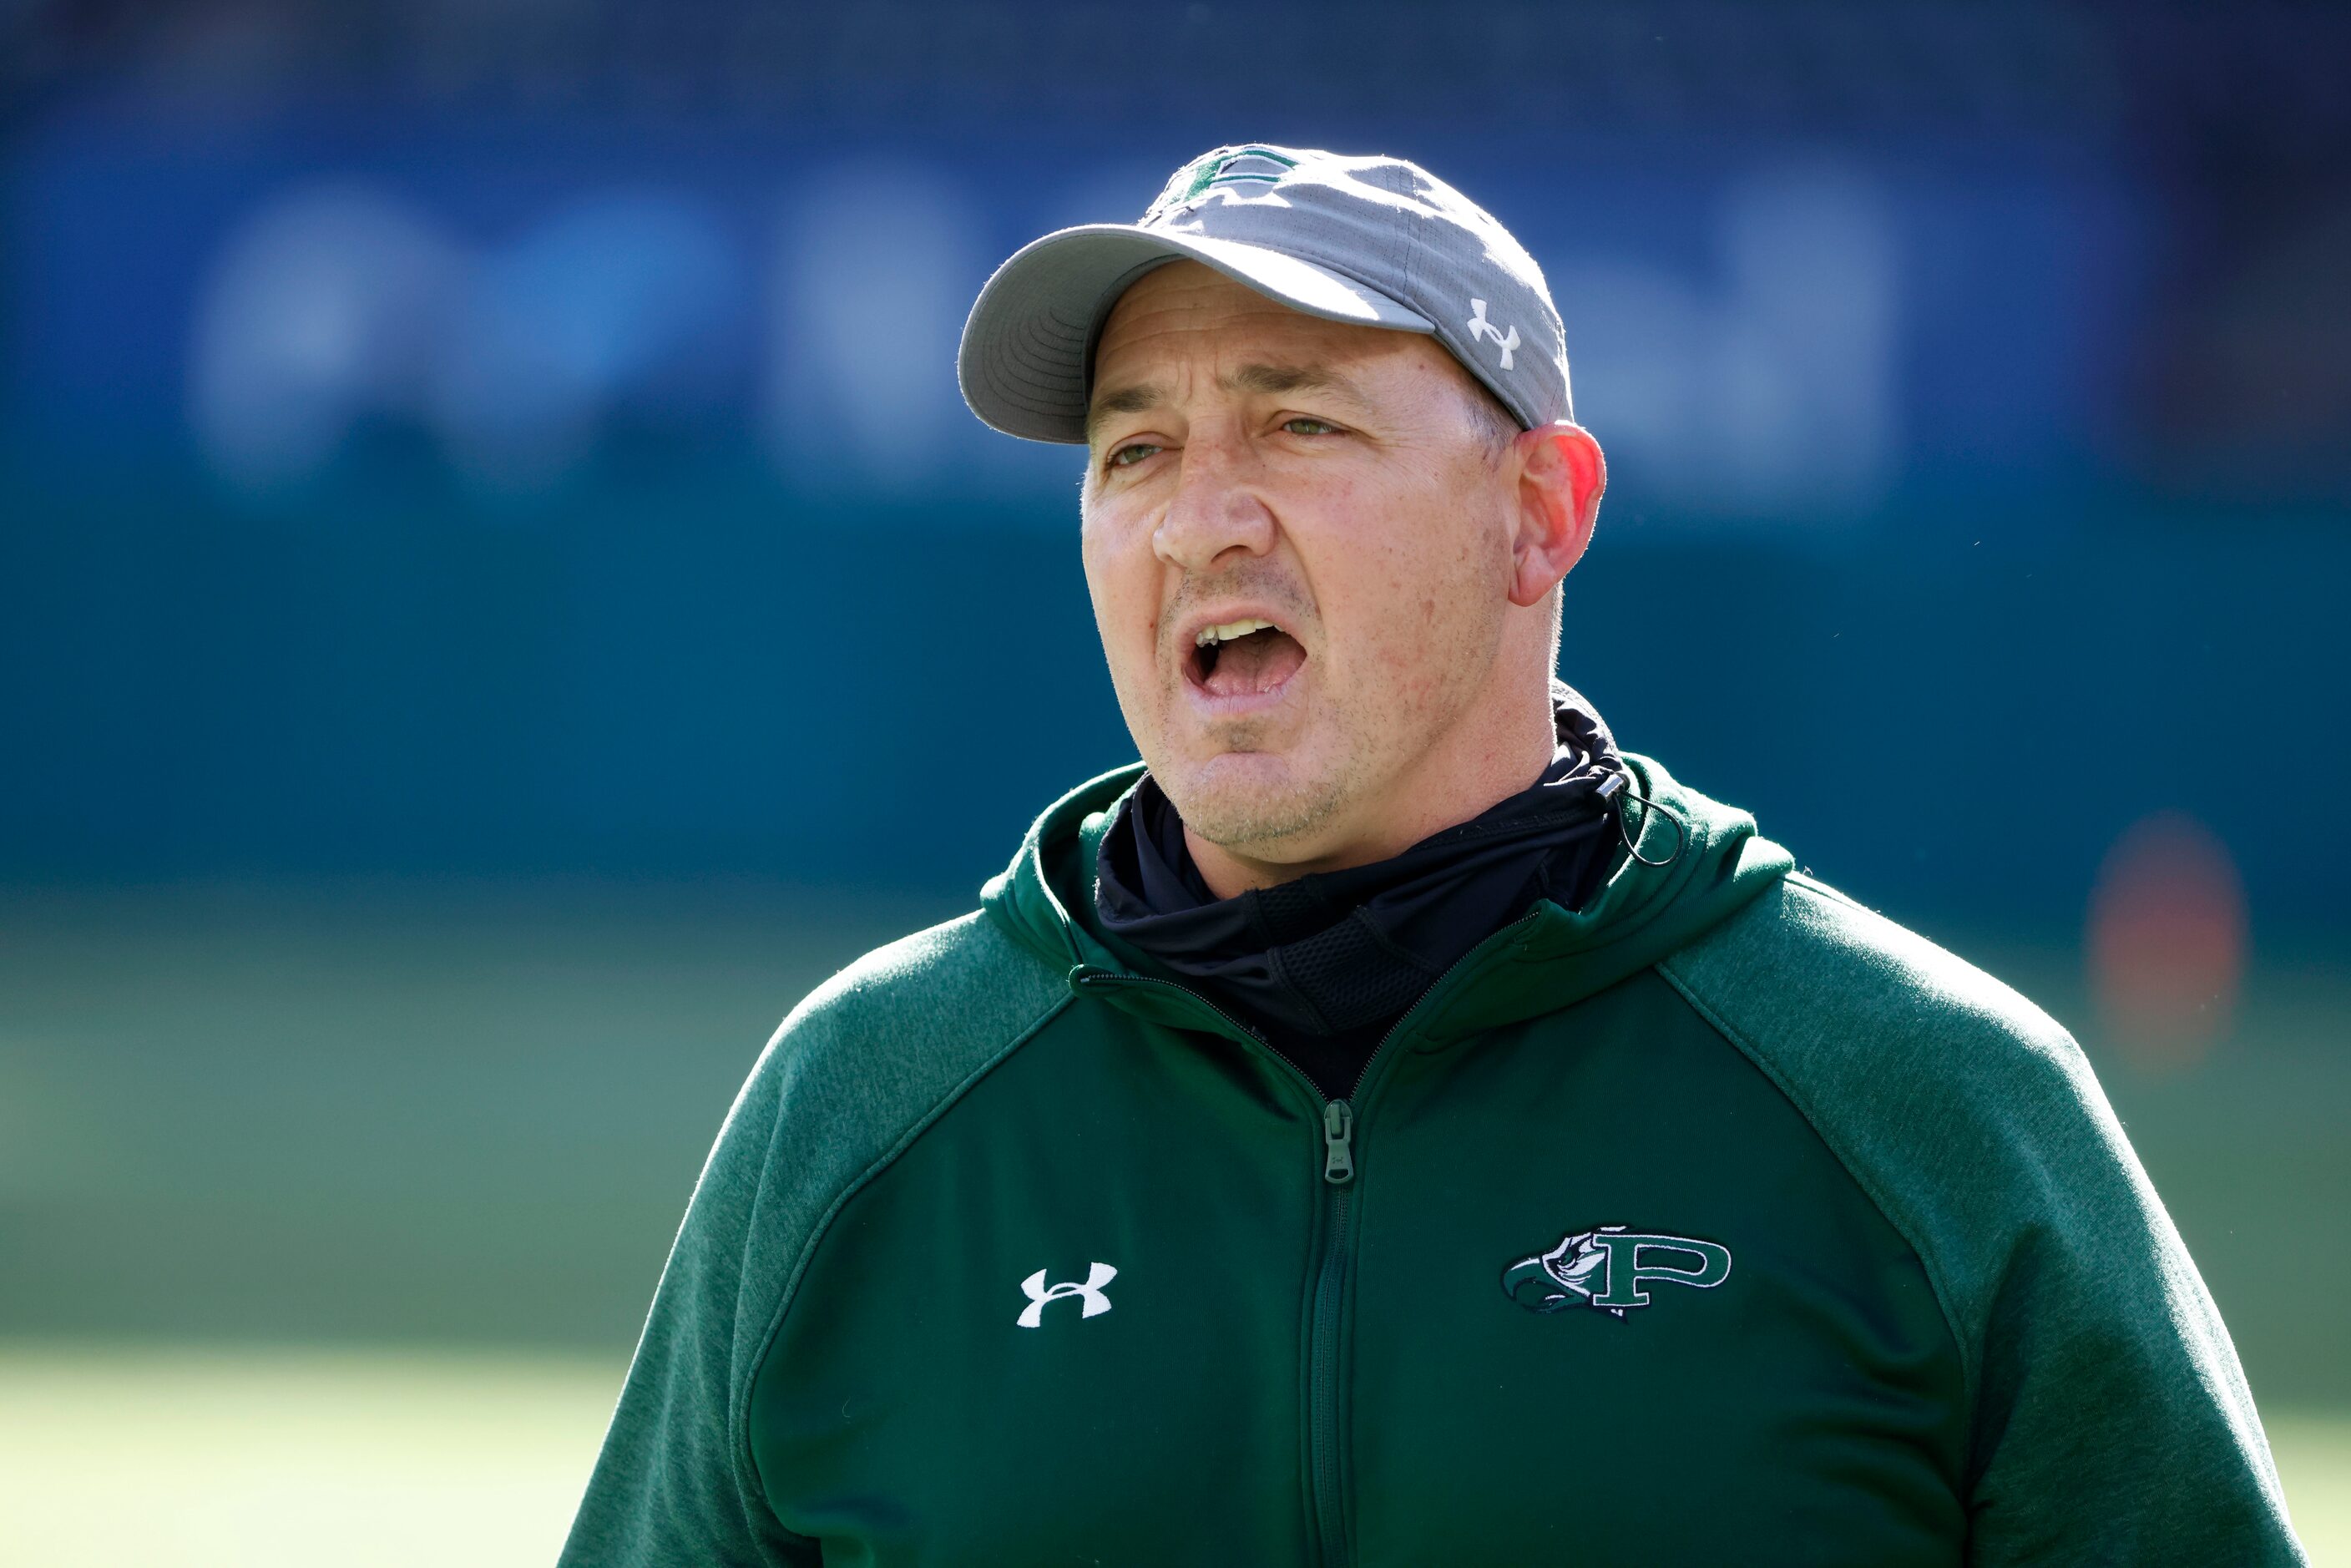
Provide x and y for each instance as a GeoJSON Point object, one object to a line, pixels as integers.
{"type": "Point", "coordinates": [499, 595]}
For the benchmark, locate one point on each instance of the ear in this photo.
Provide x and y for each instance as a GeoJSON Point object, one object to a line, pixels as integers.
{"type": "Point", "coordinates": [1561, 476]}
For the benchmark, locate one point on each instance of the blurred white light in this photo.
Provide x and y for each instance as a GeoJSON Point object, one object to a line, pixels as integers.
{"type": "Point", "coordinates": [876, 265]}
{"type": "Point", "coordinates": [567, 321]}
{"type": "Point", "coordinates": [327, 304]}
{"type": "Point", "coordinates": [1769, 389]}
{"type": "Point", "coordinates": [333, 303]}
{"type": "Point", "coordinates": [1813, 265]}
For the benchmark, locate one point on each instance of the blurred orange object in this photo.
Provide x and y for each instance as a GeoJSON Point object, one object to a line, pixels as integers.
{"type": "Point", "coordinates": [2166, 941]}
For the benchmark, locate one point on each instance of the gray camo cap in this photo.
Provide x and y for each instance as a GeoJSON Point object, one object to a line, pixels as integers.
{"type": "Point", "coordinates": [1378, 241]}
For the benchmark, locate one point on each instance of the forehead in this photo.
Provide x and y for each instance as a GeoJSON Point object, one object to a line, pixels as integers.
{"type": "Point", "coordinates": [1185, 311]}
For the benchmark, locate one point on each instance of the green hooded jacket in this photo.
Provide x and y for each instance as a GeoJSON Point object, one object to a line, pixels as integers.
{"type": "Point", "coordinates": [1721, 1222]}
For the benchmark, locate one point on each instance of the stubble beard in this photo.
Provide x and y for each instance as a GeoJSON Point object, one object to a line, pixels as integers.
{"type": "Point", "coordinates": [1248, 817]}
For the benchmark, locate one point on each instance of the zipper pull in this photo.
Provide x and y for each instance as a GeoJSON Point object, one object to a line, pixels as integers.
{"type": "Point", "coordinates": [1337, 1143]}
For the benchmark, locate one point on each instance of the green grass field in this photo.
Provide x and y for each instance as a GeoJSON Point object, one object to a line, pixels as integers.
{"type": "Point", "coordinates": [111, 1457]}
{"type": "Point", "coordinates": [116, 1457]}
{"type": "Point", "coordinates": [442, 1137]}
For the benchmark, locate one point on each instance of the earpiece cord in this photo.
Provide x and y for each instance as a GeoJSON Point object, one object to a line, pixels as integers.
{"type": "Point", "coordinates": [1618, 781]}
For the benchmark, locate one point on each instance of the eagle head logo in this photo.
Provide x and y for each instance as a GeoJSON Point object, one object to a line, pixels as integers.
{"type": "Point", "coordinates": [1569, 1275]}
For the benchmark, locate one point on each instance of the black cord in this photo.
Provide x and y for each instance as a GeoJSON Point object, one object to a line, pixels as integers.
{"type": "Point", "coordinates": [1623, 830]}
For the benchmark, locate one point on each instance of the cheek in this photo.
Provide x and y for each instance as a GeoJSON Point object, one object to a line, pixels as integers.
{"type": "Point", "coordinates": [1123, 578]}
{"type": "Point", "coordinates": [1419, 591]}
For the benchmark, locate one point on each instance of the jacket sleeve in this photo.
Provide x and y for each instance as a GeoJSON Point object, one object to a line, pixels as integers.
{"type": "Point", "coordinates": [2110, 1421]}
{"type": "Point", "coordinates": [670, 1489]}
{"type": "Point", "coordinates": [2113, 1423]}
{"type": "Point", "coordinates": [854, 1073]}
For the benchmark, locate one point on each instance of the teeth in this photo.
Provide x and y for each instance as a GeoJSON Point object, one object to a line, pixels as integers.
{"type": "Point", "coordinates": [1230, 629]}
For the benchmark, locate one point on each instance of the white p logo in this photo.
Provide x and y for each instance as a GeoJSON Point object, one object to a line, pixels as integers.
{"type": "Point", "coordinates": [1038, 1294]}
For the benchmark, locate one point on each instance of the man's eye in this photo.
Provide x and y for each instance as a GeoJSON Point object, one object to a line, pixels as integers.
{"type": "Point", "coordinates": [1303, 426]}
{"type": "Point", "coordinates": [1132, 453]}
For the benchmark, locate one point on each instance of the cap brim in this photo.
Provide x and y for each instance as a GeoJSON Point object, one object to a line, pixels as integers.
{"type": "Point", "coordinates": [1028, 346]}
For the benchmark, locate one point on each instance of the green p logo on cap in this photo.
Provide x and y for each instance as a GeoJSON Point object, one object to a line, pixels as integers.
{"type": "Point", "coordinates": [1226, 166]}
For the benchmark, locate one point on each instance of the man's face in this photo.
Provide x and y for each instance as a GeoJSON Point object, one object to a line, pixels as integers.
{"type": "Point", "coordinates": [1247, 465]}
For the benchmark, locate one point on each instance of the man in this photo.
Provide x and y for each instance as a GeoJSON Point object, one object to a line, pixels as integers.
{"type": "Point", "coordinates": [1397, 1128]}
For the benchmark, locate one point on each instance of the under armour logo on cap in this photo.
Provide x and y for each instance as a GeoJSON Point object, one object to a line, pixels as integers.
{"type": "Point", "coordinates": [1090, 1292]}
{"type": "Point", "coordinates": [1481, 328]}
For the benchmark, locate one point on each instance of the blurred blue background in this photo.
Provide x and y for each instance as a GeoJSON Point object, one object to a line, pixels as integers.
{"type": "Point", "coordinates": [499, 593]}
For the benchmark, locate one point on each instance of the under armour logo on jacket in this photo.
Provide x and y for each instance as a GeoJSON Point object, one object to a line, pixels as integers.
{"type": "Point", "coordinates": [1090, 1292]}
{"type": "Point", "coordinates": [1481, 328]}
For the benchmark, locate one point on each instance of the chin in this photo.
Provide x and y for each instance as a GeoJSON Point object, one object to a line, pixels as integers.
{"type": "Point", "coordinates": [1239, 799]}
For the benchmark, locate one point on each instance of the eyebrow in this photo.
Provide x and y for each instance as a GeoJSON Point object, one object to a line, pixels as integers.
{"type": "Point", "coordinates": [1272, 380]}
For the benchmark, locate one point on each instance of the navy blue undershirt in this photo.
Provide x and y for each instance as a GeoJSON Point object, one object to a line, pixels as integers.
{"type": "Point", "coordinates": [1322, 966]}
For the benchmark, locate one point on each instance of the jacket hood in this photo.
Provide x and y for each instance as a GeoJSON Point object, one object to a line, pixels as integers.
{"type": "Point", "coordinates": [1696, 862]}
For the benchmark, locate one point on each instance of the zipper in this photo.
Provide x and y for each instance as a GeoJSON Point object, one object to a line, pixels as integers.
{"type": "Point", "coordinates": [1335, 1253]}
{"type": "Point", "coordinates": [1337, 1143]}
{"type": "Point", "coordinates": [1322, 1413]}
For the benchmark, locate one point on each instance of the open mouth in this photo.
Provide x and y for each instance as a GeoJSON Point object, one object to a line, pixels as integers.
{"type": "Point", "coordinates": [1244, 658]}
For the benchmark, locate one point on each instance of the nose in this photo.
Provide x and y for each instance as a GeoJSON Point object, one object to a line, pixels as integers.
{"type": "Point", "coordinates": [1217, 508]}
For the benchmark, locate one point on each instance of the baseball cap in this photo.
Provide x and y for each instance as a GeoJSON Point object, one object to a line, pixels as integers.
{"type": "Point", "coordinates": [1378, 241]}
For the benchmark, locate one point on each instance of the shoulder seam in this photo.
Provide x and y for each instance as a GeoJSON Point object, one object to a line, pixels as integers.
{"type": "Point", "coordinates": [746, 1460]}
{"type": "Point", "coordinates": [1869, 1186]}
{"type": "Point", "coordinates": [1820, 889]}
